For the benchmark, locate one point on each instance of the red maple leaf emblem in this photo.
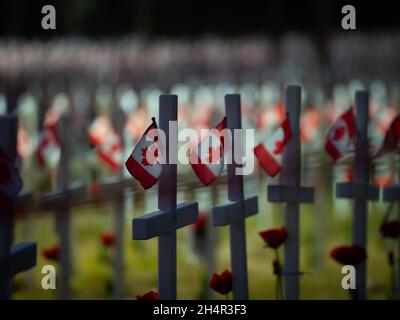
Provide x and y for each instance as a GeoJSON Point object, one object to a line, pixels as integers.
{"type": "Point", "coordinates": [339, 133]}
{"type": "Point", "coordinates": [278, 147]}
{"type": "Point", "coordinates": [144, 161]}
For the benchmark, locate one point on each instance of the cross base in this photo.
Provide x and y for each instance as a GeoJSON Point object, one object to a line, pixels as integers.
{"type": "Point", "coordinates": [290, 194]}
{"type": "Point", "coordinates": [234, 211]}
{"type": "Point", "coordinates": [160, 222]}
{"type": "Point", "coordinates": [392, 193]}
{"type": "Point", "coordinates": [23, 257]}
{"type": "Point", "coordinates": [359, 191]}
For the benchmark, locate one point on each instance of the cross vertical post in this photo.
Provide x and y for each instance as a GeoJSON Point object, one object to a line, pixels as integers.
{"type": "Point", "coordinates": [397, 292]}
{"type": "Point", "coordinates": [212, 240]}
{"type": "Point", "coordinates": [114, 189]}
{"type": "Point", "coordinates": [63, 223]}
{"type": "Point", "coordinates": [170, 217]}
{"type": "Point", "coordinates": [118, 212]}
{"type": "Point", "coordinates": [238, 208]}
{"type": "Point", "coordinates": [291, 177]}
{"type": "Point", "coordinates": [292, 193]}
{"type": "Point", "coordinates": [60, 200]}
{"type": "Point", "coordinates": [167, 202]}
{"type": "Point", "coordinates": [118, 208]}
{"type": "Point", "coordinates": [361, 175]}
{"type": "Point", "coordinates": [360, 189]}
{"type": "Point", "coordinates": [397, 271]}
{"type": "Point", "coordinates": [22, 256]}
{"type": "Point", "coordinates": [392, 194]}
{"type": "Point", "coordinates": [237, 232]}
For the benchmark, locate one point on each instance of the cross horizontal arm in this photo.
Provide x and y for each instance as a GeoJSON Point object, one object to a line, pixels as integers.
{"type": "Point", "coordinates": [392, 193]}
{"type": "Point", "coordinates": [359, 191]}
{"type": "Point", "coordinates": [23, 257]}
{"type": "Point", "coordinates": [233, 211]}
{"type": "Point", "coordinates": [116, 186]}
{"type": "Point", "coordinates": [156, 223]}
{"type": "Point", "coordinates": [74, 194]}
{"type": "Point", "coordinates": [290, 194]}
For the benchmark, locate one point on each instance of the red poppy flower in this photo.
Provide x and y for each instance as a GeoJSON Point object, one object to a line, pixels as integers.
{"type": "Point", "coordinates": [276, 267]}
{"type": "Point", "coordinates": [151, 295]}
{"type": "Point", "coordinates": [52, 253]}
{"type": "Point", "coordinates": [390, 229]}
{"type": "Point", "coordinates": [200, 225]}
{"type": "Point", "coordinates": [349, 255]}
{"type": "Point", "coordinates": [107, 239]}
{"type": "Point", "coordinates": [222, 283]}
{"type": "Point", "coordinates": [274, 238]}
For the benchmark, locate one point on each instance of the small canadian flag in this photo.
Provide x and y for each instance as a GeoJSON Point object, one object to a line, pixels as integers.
{"type": "Point", "coordinates": [108, 142]}
{"type": "Point", "coordinates": [340, 135]}
{"type": "Point", "coordinates": [269, 154]}
{"type": "Point", "coordinates": [144, 163]}
{"type": "Point", "coordinates": [48, 151]}
{"type": "Point", "coordinates": [392, 138]}
{"type": "Point", "coordinates": [207, 159]}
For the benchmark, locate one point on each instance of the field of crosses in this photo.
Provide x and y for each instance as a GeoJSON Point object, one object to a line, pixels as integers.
{"type": "Point", "coordinates": [169, 228]}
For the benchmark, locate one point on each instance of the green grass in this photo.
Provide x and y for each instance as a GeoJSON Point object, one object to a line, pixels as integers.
{"type": "Point", "coordinates": [92, 273]}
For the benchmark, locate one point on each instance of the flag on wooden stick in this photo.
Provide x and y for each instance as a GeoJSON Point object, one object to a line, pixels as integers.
{"type": "Point", "coordinates": [392, 138]}
{"type": "Point", "coordinates": [207, 158]}
{"type": "Point", "coordinates": [144, 164]}
{"type": "Point", "coordinates": [340, 135]}
{"type": "Point", "coordinates": [269, 154]}
{"type": "Point", "coordinates": [107, 141]}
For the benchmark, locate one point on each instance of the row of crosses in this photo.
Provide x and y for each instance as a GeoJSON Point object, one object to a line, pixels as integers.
{"type": "Point", "coordinates": [172, 216]}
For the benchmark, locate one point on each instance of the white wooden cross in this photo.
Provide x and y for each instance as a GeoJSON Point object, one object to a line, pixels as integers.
{"type": "Point", "coordinates": [292, 193]}
{"type": "Point", "coordinates": [61, 201]}
{"type": "Point", "coordinates": [359, 189]}
{"type": "Point", "coordinates": [114, 189]}
{"type": "Point", "coordinates": [238, 208]}
{"type": "Point", "coordinates": [392, 194]}
{"type": "Point", "coordinates": [164, 223]}
{"type": "Point", "coordinates": [19, 257]}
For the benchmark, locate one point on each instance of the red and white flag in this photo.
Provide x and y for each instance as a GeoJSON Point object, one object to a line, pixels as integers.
{"type": "Point", "coordinates": [392, 138]}
{"type": "Point", "coordinates": [340, 135]}
{"type": "Point", "coordinates": [107, 141]}
{"type": "Point", "coordinates": [110, 151]}
{"type": "Point", "coordinates": [269, 154]}
{"type": "Point", "coordinates": [207, 158]}
{"type": "Point", "coordinates": [49, 151]}
{"type": "Point", "coordinates": [144, 164]}
{"type": "Point", "coordinates": [23, 143]}
{"type": "Point", "coordinates": [10, 181]}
